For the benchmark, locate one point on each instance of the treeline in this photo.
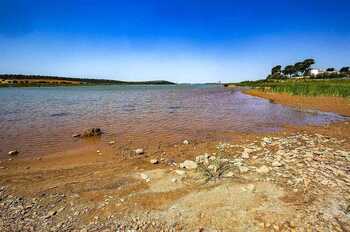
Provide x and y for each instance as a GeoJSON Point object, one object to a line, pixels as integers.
{"type": "Point", "coordinates": [82, 80]}
{"type": "Point", "coordinates": [304, 69]}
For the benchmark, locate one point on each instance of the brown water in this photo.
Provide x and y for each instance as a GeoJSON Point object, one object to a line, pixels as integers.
{"type": "Point", "coordinates": [39, 121]}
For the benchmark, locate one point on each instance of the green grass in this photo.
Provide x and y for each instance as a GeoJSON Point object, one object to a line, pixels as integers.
{"type": "Point", "coordinates": [339, 87]}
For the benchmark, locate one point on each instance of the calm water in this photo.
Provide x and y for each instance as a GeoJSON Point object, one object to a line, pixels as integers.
{"type": "Point", "coordinates": [42, 120]}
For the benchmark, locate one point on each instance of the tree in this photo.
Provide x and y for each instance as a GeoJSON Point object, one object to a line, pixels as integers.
{"type": "Point", "coordinates": [307, 65]}
{"type": "Point", "coordinates": [289, 70]}
{"type": "Point", "coordinates": [276, 69]}
{"type": "Point", "coordinates": [275, 72]}
{"type": "Point", "coordinates": [330, 69]}
{"type": "Point", "coordinates": [345, 69]}
{"type": "Point", "coordinates": [299, 68]}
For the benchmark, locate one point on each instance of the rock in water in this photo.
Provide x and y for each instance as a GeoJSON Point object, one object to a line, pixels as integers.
{"type": "Point", "coordinates": [13, 153]}
{"type": "Point", "coordinates": [139, 151]}
{"type": "Point", "coordinates": [92, 132]}
{"type": "Point", "coordinates": [189, 164]}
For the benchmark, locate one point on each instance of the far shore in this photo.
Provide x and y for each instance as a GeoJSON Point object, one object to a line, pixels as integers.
{"type": "Point", "coordinates": [19, 80]}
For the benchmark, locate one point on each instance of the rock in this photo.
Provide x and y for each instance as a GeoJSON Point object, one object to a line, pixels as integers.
{"type": "Point", "coordinates": [92, 132]}
{"type": "Point", "coordinates": [13, 153]}
{"type": "Point", "coordinates": [76, 135]}
{"type": "Point", "coordinates": [229, 174]}
{"type": "Point", "coordinates": [180, 172]}
{"type": "Point", "coordinates": [145, 177]}
{"type": "Point", "coordinates": [213, 168]}
{"type": "Point", "coordinates": [203, 158]}
{"type": "Point", "coordinates": [245, 155]}
{"type": "Point", "coordinates": [267, 140]}
{"type": "Point", "coordinates": [276, 164]}
{"type": "Point", "coordinates": [263, 170]}
{"type": "Point", "coordinates": [139, 151]}
{"type": "Point", "coordinates": [249, 188]}
{"type": "Point", "coordinates": [50, 214]}
{"type": "Point", "coordinates": [111, 142]}
{"type": "Point", "coordinates": [243, 169]}
{"type": "Point", "coordinates": [153, 161]}
{"type": "Point", "coordinates": [186, 142]}
{"type": "Point", "coordinates": [189, 164]}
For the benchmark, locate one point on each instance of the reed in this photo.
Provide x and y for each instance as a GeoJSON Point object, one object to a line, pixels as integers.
{"type": "Point", "coordinates": [339, 88]}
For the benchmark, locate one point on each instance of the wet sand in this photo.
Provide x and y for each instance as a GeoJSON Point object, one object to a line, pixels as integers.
{"type": "Point", "coordinates": [105, 187]}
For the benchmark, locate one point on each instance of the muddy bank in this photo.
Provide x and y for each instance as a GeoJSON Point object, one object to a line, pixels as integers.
{"type": "Point", "coordinates": [337, 105]}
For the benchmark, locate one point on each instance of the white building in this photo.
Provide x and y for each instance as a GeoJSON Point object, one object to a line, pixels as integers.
{"type": "Point", "coordinates": [315, 72]}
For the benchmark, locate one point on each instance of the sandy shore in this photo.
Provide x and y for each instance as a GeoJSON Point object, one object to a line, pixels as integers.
{"type": "Point", "coordinates": [337, 105]}
{"type": "Point", "coordinates": [296, 179]}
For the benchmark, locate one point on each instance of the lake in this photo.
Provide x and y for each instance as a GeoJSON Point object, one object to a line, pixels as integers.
{"type": "Point", "coordinates": [39, 121]}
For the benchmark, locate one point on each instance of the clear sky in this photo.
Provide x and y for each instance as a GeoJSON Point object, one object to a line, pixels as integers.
{"type": "Point", "coordinates": [176, 40]}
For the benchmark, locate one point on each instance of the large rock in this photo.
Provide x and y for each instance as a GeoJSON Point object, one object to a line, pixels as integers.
{"type": "Point", "coordinates": [189, 164]}
{"type": "Point", "coordinates": [92, 132]}
{"type": "Point", "coordinates": [13, 153]}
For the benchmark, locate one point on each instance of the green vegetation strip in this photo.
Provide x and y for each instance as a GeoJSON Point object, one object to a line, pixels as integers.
{"type": "Point", "coordinates": [339, 88]}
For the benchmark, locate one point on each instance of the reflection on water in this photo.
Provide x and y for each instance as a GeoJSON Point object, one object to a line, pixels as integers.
{"type": "Point", "coordinates": [41, 120]}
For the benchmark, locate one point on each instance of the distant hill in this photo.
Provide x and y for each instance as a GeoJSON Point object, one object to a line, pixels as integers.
{"type": "Point", "coordinates": [38, 80]}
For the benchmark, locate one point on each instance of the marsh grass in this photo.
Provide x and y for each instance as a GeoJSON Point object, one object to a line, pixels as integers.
{"type": "Point", "coordinates": [339, 88]}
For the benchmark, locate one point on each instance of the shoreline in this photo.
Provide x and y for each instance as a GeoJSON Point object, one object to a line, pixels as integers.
{"type": "Point", "coordinates": [339, 105]}
{"type": "Point", "coordinates": [116, 189]}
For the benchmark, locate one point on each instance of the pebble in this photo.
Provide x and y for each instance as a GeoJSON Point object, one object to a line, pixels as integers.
{"type": "Point", "coordinates": [263, 170]}
{"type": "Point", "coordinates": [245, 155]}
{"type": "Point", "coordinates": [186, 142]}
{"type": "Point", "coordinates": [276, 164]}
{"type": "Point", "coordinates": [243, 169]}
{"type": "Point", "coordinates": [111, 142]}
{"type": "Point", "coordinates": [145, 177]}
{"type": "Point", "coordinates": [229, 174]}
{"type": "Point", "coordinates": [189, 164]}
{"type": "Point", "coordinates": [139, 151]}
{"type": "Point", "coordinates": [180, 172]}
{"type": "Point", "coordinates": [153, 161]}
{"type": "Point", "coordinates": [249, 188]}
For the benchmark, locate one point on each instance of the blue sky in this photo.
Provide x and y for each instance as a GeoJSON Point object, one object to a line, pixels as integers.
{"type": "Point", "coordinates": [177, 40]}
